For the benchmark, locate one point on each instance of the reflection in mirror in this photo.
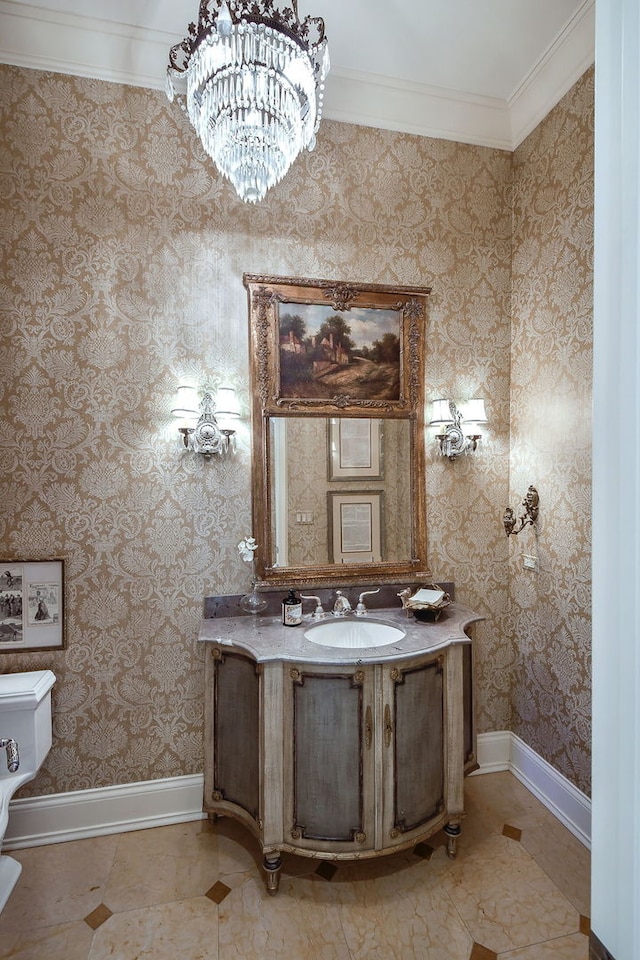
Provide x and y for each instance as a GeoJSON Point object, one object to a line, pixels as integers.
{"type": "Point", "coordinates": [340, 490]}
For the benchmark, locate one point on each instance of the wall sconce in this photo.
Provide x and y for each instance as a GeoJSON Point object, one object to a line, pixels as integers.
{"type": "Point", "coordinates": [531, 504]}
{"type": "Point", "coordinates": [453, 440]}
{"type": "Point", "coordinates": [206, 427]}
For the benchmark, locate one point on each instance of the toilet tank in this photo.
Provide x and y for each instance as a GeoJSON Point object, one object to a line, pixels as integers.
{"type": "Point", "coordinates": [25, 716]}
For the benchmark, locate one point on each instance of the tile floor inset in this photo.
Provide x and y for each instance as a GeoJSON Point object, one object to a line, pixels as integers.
{"type": "Point", "coordinates": [482, 953]}
{"type": "Point", "coordinates": [218, 892]}
{"type": "Point", "coordinates": [514, 833]}
{"type": "Point", "coordinates": [326, 871]}
{"type": "Point", "coordinates": [98, 916]}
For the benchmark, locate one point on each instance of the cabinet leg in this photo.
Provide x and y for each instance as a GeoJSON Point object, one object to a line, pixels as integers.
{"type": "Point", "coordinates": [272, 867]}
{"type": "Point", "coordinates": [452, 831]}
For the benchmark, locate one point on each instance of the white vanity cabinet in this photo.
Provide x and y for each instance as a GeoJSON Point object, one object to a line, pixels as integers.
{"type": "Point", "coordinates": [337, 756]}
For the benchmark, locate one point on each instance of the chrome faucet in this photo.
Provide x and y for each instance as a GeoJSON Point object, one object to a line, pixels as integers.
{"type": "Point", "coordinates": [342, 605]}
{"type": "Point", "coordinates": [13, 757]}
{"type": "Point", "coordinates": [361, 610]}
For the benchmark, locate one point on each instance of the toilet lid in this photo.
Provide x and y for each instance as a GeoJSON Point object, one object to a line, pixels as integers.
{"type": "Point", "coordinates": [24, 690]}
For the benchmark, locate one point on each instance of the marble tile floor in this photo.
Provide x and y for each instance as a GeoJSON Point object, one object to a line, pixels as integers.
{"type": "Point", "coordinates": [519, 890]}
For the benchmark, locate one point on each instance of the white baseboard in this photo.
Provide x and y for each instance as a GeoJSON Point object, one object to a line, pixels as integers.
{"type": "Point", "coordinates": [494, 751]}
{"type": "Point", "coordinates": [134, 806]}
{"type": "Point", "coordinates": [504, 750]}
{"type": "Point", "coordinates": [93, 813]}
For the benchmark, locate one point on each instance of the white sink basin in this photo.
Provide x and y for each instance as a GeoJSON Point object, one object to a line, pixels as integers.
{"type": "Point", "coordinates": [353, 633]}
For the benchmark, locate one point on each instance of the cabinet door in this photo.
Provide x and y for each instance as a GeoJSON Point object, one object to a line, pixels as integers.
{"type": "Point", "coordinates": [232, 736]}
{"type": "Point", "coordinates": [331, 761]}
{"type": "Point", "coordinates": [413, 749]}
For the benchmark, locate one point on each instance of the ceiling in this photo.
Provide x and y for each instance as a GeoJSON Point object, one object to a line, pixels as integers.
{"type": "Point", "coordinates": [478, 71]}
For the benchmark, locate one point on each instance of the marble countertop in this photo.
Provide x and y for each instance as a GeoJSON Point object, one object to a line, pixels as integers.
{"type": "Point", "coordinates": [267, 639]}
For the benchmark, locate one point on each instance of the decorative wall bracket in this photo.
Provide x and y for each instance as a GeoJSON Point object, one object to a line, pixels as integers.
{"type": "Point", "coordinates": [529, 516]}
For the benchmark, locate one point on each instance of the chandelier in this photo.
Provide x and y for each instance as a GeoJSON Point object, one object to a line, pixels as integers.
{"type": "Point", "coordinates": [251, 79]}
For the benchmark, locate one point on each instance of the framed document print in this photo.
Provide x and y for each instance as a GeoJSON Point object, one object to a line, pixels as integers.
{"type": "Point", "coordinates": [31, 605]}
{"type": "Point", "coordinates": [354, 448]}
{"type": "Point", "coordinates": [355, 521]}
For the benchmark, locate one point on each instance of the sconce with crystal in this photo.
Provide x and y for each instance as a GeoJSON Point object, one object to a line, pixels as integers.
{"type": "Point", "coordinates": [453, 440]}
{"type": "Point", "coordinates": [531, 504]}
{"type": "Point", "coordinates": [206, 427]}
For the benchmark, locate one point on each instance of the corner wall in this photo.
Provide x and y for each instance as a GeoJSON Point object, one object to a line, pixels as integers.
{"type": "Point", "coordinates": [551, 381]}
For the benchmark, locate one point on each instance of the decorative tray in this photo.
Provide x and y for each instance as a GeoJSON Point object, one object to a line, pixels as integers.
{"type": "Point", "coordinates": [427, 603]}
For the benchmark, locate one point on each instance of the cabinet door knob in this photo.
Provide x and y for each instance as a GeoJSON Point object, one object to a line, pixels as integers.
{"type": "Point", "coordinates": [388, 726]}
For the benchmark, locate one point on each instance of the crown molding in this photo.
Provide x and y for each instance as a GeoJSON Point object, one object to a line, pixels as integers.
{"type": "Point", "coordinates": [82, 46]}
{"type": "Point", "coordinates": [572, 52]}
{"type": "Point", "coordinates": [85, 46]}
{"type": "Point", "coordinates": [375, 101]}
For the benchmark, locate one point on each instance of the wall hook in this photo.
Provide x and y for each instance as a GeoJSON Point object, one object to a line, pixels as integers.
{"type": "Point", "coordinates": [531, 504]}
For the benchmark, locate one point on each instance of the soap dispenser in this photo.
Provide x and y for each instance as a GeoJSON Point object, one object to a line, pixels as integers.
{"type": "Point", "coordinates": [292, 610]}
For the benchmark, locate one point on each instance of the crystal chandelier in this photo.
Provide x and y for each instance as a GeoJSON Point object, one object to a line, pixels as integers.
{"type": "Point", "coordinates": [251, 79]}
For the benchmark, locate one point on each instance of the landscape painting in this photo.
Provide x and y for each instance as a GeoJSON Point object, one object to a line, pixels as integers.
{"type": "Point", "coordinates": [326, 352]}
{"type": "Point", "coordinates": [331, 346]}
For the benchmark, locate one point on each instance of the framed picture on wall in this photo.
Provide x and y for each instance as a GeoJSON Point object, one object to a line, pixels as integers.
{"type": "Point", "coordinates": [354, 448]}
{"type": "Point", "coordinates": [31, 605]}
{"type": "Point", "coordinates": [323, 345]}
{"type": "Point", "coordinates": [355, 523]}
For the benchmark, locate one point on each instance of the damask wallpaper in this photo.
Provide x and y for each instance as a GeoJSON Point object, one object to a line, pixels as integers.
{"type": "Point", "coordinates": [122, 262]}
{"type": "Point", "coordinates": [551, 360]}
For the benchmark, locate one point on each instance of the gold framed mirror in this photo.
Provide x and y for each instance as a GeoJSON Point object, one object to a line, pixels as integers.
{"type": "Point", "coordinates": [337, 385]}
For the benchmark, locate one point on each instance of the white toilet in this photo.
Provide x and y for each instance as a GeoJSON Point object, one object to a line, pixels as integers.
{"type": "Point", "coordinates": [25, 740]}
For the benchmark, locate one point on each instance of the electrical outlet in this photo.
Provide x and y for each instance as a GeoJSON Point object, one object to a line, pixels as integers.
{"type": "Point", "coordinates": [530, 563]}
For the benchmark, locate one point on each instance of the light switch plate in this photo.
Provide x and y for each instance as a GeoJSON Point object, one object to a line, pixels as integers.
{"type": "Point", "coordinates": [530, 563]}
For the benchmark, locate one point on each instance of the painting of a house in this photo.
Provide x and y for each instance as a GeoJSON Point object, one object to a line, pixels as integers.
{"type": "Point", "coordinates": [326, 353]}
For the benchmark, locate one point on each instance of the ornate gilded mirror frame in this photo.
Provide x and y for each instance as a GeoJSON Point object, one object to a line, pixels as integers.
{"type": "Point", "coordinates": [280, 389]}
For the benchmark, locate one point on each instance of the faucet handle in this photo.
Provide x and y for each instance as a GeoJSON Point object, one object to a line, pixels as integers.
{"type": "Point", "coordinates": [361, 610]}
{"type": "Point", "coordinates": [318, 613]}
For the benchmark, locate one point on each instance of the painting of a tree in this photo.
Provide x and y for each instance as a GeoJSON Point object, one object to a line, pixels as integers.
{"type": "Point", "coordinates": [387, 350]}
{"type": "Point", "coordinates": [336, 326]}
{"type": "Point", "coordinates": [292, 323]}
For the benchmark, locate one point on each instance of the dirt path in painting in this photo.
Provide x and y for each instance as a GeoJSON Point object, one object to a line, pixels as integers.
{"type": "Point", "coordinates": [361, 380]}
